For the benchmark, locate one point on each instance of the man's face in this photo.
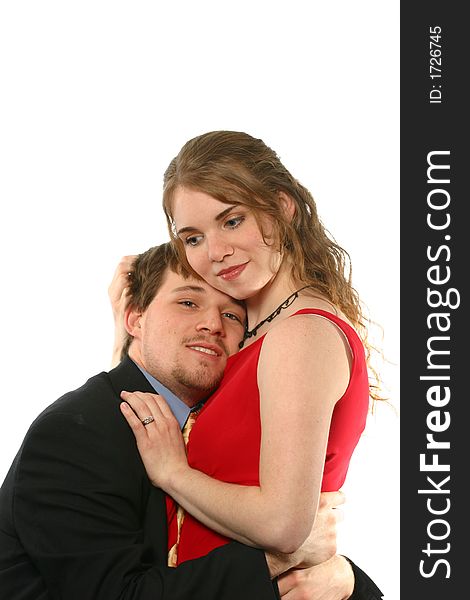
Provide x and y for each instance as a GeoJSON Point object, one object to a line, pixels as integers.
{"type": "Point", "coordinates": [186, 334]}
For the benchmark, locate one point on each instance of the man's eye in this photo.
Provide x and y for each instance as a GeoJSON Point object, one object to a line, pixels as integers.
{"type": "Point", "coordinates": [187, 303]}
{"type": "Point", "coordinates": [232, 317]}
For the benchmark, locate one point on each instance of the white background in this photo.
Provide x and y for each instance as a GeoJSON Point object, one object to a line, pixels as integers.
{"type": "Point", "coordinates": [96, 99]}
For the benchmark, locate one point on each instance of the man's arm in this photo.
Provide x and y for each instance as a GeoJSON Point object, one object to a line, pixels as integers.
{"type": "Point", "coordinates": [335, 579]}
{"type": "Point", "coordinates": [364, 587]}
{"type": "Point", "coordinates": [81, 514]}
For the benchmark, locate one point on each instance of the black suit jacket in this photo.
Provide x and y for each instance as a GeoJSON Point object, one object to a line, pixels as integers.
{"type": "Point", "coordinates": [79, 519]}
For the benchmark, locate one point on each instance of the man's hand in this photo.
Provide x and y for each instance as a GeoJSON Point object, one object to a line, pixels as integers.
{"type": "Point", "coordinates": [330, 580]}
{"type": "Point", "coordinates": [320, 544]}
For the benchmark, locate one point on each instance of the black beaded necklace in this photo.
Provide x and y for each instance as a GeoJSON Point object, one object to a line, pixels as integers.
{"type": "Point", "coordinates": [285, 304]}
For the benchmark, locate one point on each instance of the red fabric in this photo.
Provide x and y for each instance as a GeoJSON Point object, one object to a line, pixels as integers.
{"type": "Point", "coordinates": [225, 441]}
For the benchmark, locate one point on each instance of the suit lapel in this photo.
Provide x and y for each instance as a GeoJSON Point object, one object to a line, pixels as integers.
{"type": "Point", "coordinates": [127, 376]}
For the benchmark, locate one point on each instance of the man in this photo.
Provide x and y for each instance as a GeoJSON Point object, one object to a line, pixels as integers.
{"type": "Point", "coordinates": [78, 517]}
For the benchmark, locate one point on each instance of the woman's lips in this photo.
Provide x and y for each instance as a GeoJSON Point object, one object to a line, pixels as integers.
{"type": "Point", "coordinates": [231, 272]}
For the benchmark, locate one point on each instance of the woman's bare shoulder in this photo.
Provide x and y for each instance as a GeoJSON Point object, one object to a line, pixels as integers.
{"type": "Point", "coordinates": [310, 341]}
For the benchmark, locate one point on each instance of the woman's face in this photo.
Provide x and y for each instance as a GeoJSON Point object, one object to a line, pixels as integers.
{"type": "Point", "coordinates": [223, 243]}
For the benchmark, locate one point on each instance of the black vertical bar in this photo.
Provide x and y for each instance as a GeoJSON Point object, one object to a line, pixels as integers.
{"type": "Point", "coordinates": [435, 331]}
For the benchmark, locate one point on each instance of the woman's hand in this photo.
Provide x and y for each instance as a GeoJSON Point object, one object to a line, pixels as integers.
{"type": "Point", "coordinates": [160, 442]}
{"type": "Point", "coordinates": [118, 293]}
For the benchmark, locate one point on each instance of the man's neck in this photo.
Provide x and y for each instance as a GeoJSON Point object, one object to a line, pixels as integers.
{"type": "Point", "coordinates": [190, 396]}
{"type": "Point", "coordinates": [189, 399]}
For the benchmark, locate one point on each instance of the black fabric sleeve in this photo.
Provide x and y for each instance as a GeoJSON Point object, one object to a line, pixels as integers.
{"type": "Point", "coordinates": [80, 507]}
{"type": "Point", "coordinates": [364, 587]}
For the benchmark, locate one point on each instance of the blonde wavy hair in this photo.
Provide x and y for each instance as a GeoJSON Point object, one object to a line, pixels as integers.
{"type": "Point", "coordinates": [236, 168]}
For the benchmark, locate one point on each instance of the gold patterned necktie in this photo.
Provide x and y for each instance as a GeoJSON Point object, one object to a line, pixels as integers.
{"type": "Point", "coordinates": [173, 552]}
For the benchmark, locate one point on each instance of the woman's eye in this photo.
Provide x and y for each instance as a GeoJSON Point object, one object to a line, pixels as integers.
{"type": "Point", "coordinates": [234, 222]}
{"type": "Point", "coordinates": [193, 240]}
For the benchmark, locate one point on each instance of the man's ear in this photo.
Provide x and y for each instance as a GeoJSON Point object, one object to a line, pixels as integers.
{"type": "Point", "coordinates": [132, 317]}
{"type": "Point", "coordinates": [288, 205]}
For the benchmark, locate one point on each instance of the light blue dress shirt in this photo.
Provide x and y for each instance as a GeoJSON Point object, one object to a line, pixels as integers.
{"type": "Point", "coordinates": [177, 406]}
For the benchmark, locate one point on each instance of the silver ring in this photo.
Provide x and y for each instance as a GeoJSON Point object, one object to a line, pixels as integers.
{"type": "Point", "coordinates": [147, 420]}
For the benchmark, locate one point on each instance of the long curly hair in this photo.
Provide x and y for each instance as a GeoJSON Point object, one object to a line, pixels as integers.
{"type": "Point", "coordinates": [236, 168]}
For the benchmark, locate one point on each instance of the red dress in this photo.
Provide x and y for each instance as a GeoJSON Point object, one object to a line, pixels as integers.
{"type": "Point", "coordinates": [225, 440]}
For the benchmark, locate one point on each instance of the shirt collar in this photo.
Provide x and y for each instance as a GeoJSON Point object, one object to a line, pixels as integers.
{"type": "Point", "coordinates": [177, 406]}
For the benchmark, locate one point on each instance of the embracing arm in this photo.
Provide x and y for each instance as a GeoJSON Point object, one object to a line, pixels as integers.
{"type": "Point", "coordinates": [364, 587]}
{"type": "Point", "coordinates": [295, 416]}
{"type": "Point", "coordinates": [335, 579]}
{"type": "Point", "coordinates": [80, 507]}
{"type": "Point", "coordinates": [329, 580]}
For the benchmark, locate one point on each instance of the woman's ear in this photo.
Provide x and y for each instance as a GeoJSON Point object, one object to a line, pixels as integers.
{"type": "Point", "coordinates": [288, 205]}
{"type": "Point", "coordinates": [132, 318]}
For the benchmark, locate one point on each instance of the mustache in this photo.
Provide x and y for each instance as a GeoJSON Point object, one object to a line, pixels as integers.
{"type": "Point", "coordinates": [200, 338]}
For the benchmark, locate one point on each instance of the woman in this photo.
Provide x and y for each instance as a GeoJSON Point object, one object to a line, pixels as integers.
{"type": "Point", "coordinates": [293, 402]}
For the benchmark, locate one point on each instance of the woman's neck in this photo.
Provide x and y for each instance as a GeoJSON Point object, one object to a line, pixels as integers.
{"type": "Point", "coordinates": [271, 295]}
